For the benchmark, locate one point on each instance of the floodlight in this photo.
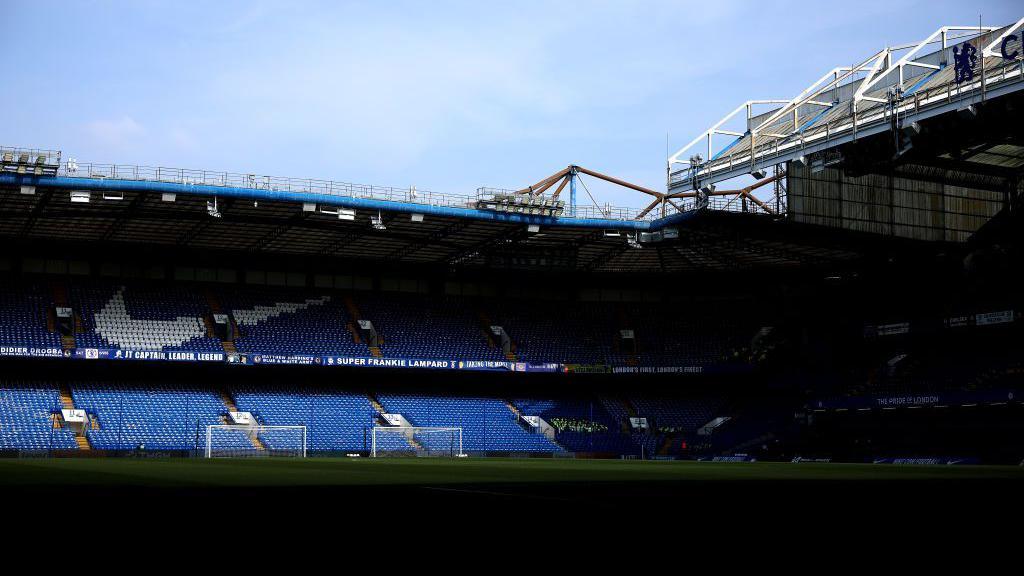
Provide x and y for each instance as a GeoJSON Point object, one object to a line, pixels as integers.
{"type": "Point", "coordinates": [80, 196]}
{"type": "Point", "coordinates": [168, 197]}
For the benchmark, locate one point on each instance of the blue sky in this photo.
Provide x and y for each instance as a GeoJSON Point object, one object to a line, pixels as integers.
{"type": "Point", "coordinates": [448, 96]}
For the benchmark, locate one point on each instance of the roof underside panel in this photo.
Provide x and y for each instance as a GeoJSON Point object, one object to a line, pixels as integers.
{"type": "Point", "coordinates": [276, 227]}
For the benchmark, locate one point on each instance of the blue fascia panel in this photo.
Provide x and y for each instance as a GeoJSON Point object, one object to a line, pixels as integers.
{"type": "Point", "coordinates": [111, 185]}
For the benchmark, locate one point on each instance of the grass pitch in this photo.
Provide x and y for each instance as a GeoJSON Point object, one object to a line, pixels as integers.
{"type": "Point", "coordinates": [490, 491]}
{"type": "Point", "coordinates": [413, 472]}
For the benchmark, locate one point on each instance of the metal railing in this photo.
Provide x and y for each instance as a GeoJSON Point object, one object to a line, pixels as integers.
{"type": "Point", "coordinates": [773, 149]}
{"type": "Point", "coordinates": [411, 195]}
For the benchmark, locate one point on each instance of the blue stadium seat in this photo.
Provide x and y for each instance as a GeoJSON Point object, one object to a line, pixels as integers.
{"type": "Point", "coordinates": [26, 418]}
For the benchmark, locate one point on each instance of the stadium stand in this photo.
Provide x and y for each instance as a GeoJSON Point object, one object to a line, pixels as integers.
{"type": "Point", "coordinates": [577, 331]}
{"type": "Point", "coordinates": [288, 322]}
{"type": "Point", "coordinates": [673, 414]}
{"type": "Point", "coordinates": [335, 420]}
{"type": "Point", "coordinates": [157, 416]}
{"type": "Point", "coordinates": [27, 418]}
{"type": "Point", "coordinates": [582, 424]}
{"type": "Point", "coordinates": [698, 338]}
{"type": "Point", "coordinates": [141, 317]}
{"type": "Point", "coordinates": [424, 327]}
{"type": "Point", "coordinates": [24, 307]}
{"type": "Point", "coordinates": [488, 424]}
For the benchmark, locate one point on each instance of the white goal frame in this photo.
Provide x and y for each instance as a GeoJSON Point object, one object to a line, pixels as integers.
{"type": "Point", "coordinates": [408, 431]}
{"type": "Point", "coordinates": [251, 431]}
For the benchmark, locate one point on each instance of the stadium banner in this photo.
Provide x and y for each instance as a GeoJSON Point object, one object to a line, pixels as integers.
{"type": "Point", "coordinates": [657, 369]}
{"type": "Point", "coordinates": [730, 368]}
{"type": "Point", "coordinates": [31, 352]}
{"type": "Point", "coordinates": [300, 359]}
{"type": "Point", "coordinates": [161, 355]}
{"type": "Point", "coordinates": [927, 461]}
{"type": "Point", "coordinates": [940, 399]}
{"type": "Point", "coordinates": [253, 359]}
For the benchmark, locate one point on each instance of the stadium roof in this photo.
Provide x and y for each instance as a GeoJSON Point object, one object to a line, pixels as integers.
{"type": "Point", "coordinates": [704, 240]}
{"type": "Point", "coordinates": [912, 82]}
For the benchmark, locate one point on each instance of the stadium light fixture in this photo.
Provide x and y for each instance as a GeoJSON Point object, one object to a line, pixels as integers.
{"type": "Point", "coordinates": [533, 228]}
{"type": "Point", "coordinates": [113, 195]}
{"type": "Point", "coordinates": [80, 196]}
{"type": "Point", "coordinates": [522, 204]}
{"type": "Point", "coordinates": [346, 214]}
{"type": "Point", "coordinates": [168, 197]}
{"type": "Point", "coordinates": [968, 112]}
{"type": "Point", "coordinates": [28, 190]}
{"type": "Point", "coordinates": [416, 218]}
{"type": "Point", "coordinates": [759, 173]}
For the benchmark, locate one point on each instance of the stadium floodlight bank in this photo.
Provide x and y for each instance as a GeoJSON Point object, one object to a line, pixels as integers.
{"type": "Point", "coordinates": [247, 441]}
{"type": "Point", "coordinates": [416, 441]}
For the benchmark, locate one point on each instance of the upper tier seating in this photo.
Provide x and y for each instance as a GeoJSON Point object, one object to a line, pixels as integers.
{"type": "Point", "coordinates": [160, 416]}
{"type": "Point", "coordinates": [426, 327]}
{"type": "Point", "coordinates": [287, 322]}
{"type": "Point", "coordinates": [26, 418]}
{"type": "Point", "coordinates": [487, 423]}
{"type": "Point", "coordinates": [335, 420]}
{"type": "Point", "coordinates": [560, 331]}
{"type": "Point", "coordinates": [23, 310]}
{"type": "Point", "coordinates": [700, 338]}
{"type": "Point", "coordinates": [299, 322]}
{"type": "Point", "coordinates": [141, 317]}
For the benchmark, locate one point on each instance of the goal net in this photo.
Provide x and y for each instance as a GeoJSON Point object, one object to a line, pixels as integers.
{"type": "Point", "coordinates": [416, 441]}
{"type": "Point", "coordinates": [241, 441]}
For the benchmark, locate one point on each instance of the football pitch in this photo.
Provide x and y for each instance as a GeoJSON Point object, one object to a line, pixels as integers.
{"type": "Point", "coordinates": [198, 473]}
{"type": "Point", "coordinates": [457, 489]}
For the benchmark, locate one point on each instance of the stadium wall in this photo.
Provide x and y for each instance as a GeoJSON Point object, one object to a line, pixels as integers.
{"type": "Point", "coordinates": [889, 205]}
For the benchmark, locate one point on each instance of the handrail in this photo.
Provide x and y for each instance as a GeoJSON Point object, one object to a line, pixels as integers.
{"type": "Point", "coordinates": [767, 148]}
{"type": "Point", "coordinates": [193, 177]}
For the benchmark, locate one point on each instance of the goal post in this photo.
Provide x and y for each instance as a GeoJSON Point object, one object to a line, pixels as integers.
{"type": "Point", "coordinates": [416, 441]}
{"type": "Point", "coordinates": [254, 440]}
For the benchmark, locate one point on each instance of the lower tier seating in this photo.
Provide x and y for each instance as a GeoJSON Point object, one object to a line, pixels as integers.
{"type": "Point", "coordinates": [154, 417]}
{"type": "Point", "coordinates": [487, 423]}
{"type": "Point", "coordinates": [128, 416]}
{"type": "Point", "coordinates": [335, 420]}
{"type": "Point", "coordinates": [26, 418]}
